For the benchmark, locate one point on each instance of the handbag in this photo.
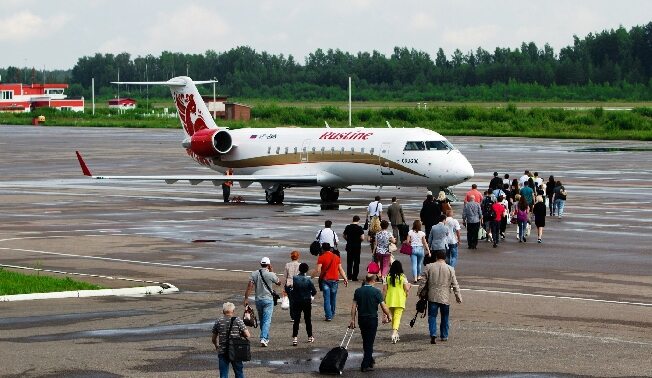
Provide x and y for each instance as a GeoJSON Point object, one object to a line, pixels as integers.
{"type": "Point", "coordinates": [275, 296]}
{"type": "Point", "coordinates": [406, 249]}
{"type": "Point", "coordinates": [249, 317]}
{"type": "Point", "coordinates": [373, 268]}
{"type": "Point", "coordinates": [392, 248]}
{"type": "Point", "coordinates": [237, 349]}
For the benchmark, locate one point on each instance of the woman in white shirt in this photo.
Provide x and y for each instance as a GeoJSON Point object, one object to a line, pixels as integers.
{"type": "Point", "coordinates": [417, 239]}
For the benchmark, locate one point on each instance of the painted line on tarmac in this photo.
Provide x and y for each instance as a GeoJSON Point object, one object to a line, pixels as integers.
{"type": "Point", "coordinates": [249, 271]}
{"type": "Point", "coordinates": [559, 297]}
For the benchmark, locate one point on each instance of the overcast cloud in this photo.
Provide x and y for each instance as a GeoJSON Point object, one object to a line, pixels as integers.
{"type": "Point", "coordinates": [55, 33]}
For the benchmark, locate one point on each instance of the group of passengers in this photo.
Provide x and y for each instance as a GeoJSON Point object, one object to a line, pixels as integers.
{"type": "Point", "coordinates": [432, 241]}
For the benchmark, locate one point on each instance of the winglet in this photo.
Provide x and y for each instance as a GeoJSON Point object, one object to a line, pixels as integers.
{"type": "Point", "coordinates": [83, 166]}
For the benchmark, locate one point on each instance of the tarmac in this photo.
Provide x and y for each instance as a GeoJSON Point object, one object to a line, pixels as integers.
{"type": "Point", "coordinates": [579, 304]}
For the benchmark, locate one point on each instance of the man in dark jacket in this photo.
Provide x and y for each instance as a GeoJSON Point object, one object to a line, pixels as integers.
{"type": "Point", "coordinates": [496, 182]}
{"type": "Point", "coordinates": [396, 217]}
{"type": "Point", "coordinates": [302, 292]}
{"type": "Point", "coordinates": [430, 212]}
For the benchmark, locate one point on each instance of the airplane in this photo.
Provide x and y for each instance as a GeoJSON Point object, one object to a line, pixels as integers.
{"type": "Point", "coordinates": [286, 157]}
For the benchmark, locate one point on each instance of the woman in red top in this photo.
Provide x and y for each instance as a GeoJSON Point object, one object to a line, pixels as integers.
{"type": "Point", "coordinates": [498, 209]}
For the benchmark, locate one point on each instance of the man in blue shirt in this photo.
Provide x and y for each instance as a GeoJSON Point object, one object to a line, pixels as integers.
{"type": "Point", "coordinates": [366, 300]}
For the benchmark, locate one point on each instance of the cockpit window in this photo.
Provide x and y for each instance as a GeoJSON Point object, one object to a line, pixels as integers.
{"type": "Point", "coordinates": [439, 145]}
{"type": "Point", "coordinates": [414, 146]}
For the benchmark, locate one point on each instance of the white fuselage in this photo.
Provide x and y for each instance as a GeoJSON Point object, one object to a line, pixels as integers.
{"type": "Point", "coordinates": [340, 157]}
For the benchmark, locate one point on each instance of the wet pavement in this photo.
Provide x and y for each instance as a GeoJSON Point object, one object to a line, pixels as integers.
{"type": "Point", "coordinates": [530, 309]}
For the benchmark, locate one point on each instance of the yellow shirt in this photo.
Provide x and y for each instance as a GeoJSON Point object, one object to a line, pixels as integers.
{"type": "Point", "coordinates": [396, 296]}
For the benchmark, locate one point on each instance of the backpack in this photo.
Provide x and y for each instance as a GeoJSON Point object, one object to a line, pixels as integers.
{"type": "Point", "coordinates": [487, 209]}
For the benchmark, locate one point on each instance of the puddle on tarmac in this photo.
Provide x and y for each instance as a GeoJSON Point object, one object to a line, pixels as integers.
{"type": "Point", "coordinates": [205, 241]}
{"type": "Point", "coordinates": [613, 149]}
{"type": "Point", "coordinates": [30, 321]}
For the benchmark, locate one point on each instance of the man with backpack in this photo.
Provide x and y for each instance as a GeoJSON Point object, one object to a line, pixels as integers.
{"type": "Point", "coordinates": [487, 213]}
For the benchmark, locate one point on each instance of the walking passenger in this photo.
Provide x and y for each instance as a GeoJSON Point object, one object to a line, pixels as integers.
{"type": "Point", "coordinates": [443, 202]}
{"type": "Point", "coordinates": [453, 238]}
{"type": "Point", "coordinates": [375, 209]}
{"type": "Point", "coordinates": [302, 293]}
{"type": "Point", "coordinates": [438, 237]}
{"type": "Point", "coordinates": [395, 216]}
{"type": "Point", "coordinates": [226, 186]}
{"type": "Point", "coordinates": [354, 235]}
{"type": "Point", "coordinates": [487, 204]}
{"type": "Point", "coordinates": [440, 278]}
{"type": "Point", "coordinates": [329, 269]}
{"type": "Point", "coordinates": [327, 235]}
{"type": "Point", "coordinates": [383, 238]}
{"type": "Point", "coordinates": [522, 214]}
{"type": "Point", "coordinates": [366, 300]}
{"type": "Point", "coordinates": [429, 214]}
{"type": "Point", "coordinates": [291, 270]}
{"type": "Point", "coordinates": [235, 328]}
{"type": "Point", "coordinates": [473, 192]}
{"type": "Point", "coordinates": [395, 291]}
{"type": "Point", "coordinates": [498, 212]}
{"type": "Point", "coordinates": [528, 193]}
{"type": "Point", "coordinates": [417, 240]}
{"type": "Point", "coordinates": [539, 217]}
{"type": "Point", "coordinates": [260, 281]}
{"type": "Point", "coordinates": [560, 198]}
{"type": "Point", "coordinates": [496, 182]}
{"type": "Point", "coordinates": [471, 219]}
{"type": "Point", "coordinates": [550, 193]}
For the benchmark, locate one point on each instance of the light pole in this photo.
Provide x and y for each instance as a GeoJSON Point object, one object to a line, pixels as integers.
{"type": "Point", "coordinates": [214, 99]}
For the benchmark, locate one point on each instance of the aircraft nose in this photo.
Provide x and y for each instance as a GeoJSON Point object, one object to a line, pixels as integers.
{"type": "Point", "coordinates": [465, 170]}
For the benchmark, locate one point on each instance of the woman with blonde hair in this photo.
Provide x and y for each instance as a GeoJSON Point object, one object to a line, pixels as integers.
{"type": "Point", "coordinates": [417, 239]}
{"type": "Point", "coordinates": [395, 291]}
{"type": "Point", "coordinates": [539, 217]}
{"type": "Point", "coordinates": [443, 202]}
{"type": "Point", "coordinates": [291, 270]}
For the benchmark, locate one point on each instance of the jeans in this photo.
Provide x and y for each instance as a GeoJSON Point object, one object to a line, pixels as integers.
{"type": "Point", "coordinates": [432, 319]}
{"type": "Point", "coordinates": [472, 234]}
{"type": "Point", "coordinates": [224, 363]}
{"type": "Point", "coordinates": [417, 261]}
{"type": "Point", "coordinates": [329, 289]}
{"type": "Point", "coordinates": [368, 327]}
{"type": "Point", "coordinates": [265, 309]}
{"type": "Point", "coordinates": [352, 263]}
{"type": "Point", "coordinates": [521, 229]}
{"type": "Point", "coordinates": [559, 206]}
{"type": "Point", "coordinates": [495, 231]}
{"type": "Point", "coordinates": [306, 308]}
{"type": "Point", "coordinates": [451, 254]}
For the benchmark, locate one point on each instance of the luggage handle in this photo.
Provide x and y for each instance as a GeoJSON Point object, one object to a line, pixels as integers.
{"type": "Point", "coordinates": [346, 333]}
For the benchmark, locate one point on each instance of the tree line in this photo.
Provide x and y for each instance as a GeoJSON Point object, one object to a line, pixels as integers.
{"type": "Point", "coordinates": [612, 64]}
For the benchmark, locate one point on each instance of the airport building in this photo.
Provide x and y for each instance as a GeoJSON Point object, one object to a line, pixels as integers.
{"type": "Point", "coordinates": [122, 103]}
{"type": "Point", "coordinates": [20, 97]}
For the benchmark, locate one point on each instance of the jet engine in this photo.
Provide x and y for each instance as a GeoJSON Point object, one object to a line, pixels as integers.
{"type": "Point", "coordinates": [209, 142]}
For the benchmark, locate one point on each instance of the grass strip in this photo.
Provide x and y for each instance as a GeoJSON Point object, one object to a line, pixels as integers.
{"type": "Point", "coordinates": [12, 283]}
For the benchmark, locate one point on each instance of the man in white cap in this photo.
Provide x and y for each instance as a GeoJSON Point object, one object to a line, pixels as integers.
{"type": "Point", "coordinates": [261, 281]}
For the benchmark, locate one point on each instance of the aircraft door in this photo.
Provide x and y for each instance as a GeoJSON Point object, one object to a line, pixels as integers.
{"type": "Point", "coordinates": [305, 150]}
{"type": "Point", "coordinates": [384, 160]}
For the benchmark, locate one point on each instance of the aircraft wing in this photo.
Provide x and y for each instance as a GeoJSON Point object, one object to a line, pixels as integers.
{"type": "Point", "coordinates": [244, 180]}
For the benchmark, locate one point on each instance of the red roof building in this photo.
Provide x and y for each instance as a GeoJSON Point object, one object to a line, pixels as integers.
{"type": "Point", "coordinates": [122, 103]}
{"type": "Point", "coordinates": [23, 97]}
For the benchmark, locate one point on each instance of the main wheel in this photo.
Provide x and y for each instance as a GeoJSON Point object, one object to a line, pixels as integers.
{"type": "Point", "coordinates": [334, 195]}
{"type": "Point", "coordinates": [329, 194]}
{"type": "Point", "coordinates": [323, 194]}
{"type": "Point", "coordinates": [276, 197]}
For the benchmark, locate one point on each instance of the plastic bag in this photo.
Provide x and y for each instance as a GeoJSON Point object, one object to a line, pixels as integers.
{"type": "Point", "coordinates": [285, 303]}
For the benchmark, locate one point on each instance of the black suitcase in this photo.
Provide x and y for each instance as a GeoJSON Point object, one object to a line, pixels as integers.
{"type": "Point", "coordinates": [335, 359]}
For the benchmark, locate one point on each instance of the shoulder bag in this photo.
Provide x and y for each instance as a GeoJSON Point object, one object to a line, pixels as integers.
{"type": "Point", "coordinates": [237, 349]}
{"type": "Point", "coordinates": [275, 296]}
{"type": "Point", "coordinates": [315, 246]}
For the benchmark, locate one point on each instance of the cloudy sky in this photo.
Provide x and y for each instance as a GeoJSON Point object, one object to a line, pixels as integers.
{"type": "Point", "coordinates": [55, 33]}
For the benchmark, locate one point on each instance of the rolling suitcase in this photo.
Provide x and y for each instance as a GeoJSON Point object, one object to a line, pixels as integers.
{"type": "Point", "coordinates": [335, 359]}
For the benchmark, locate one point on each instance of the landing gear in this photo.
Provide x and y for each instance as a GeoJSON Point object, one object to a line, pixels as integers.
{"type": "Point", "coordinates": [274, 196]}
{"type": "Point", "coordinates": [329, 194]}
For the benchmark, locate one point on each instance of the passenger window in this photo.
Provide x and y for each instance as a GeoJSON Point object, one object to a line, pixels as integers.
{"type": "Point", "coordinates": [371, 151]}
{"type": "Point", "coordinates": [314, 149]}
{"type": "Point", "coordinates": [269, 150]}
{"type": "Point", "coordinates": [304, 150]}
{"type": "Point", "coordinates": [278, 150]}
{"type": "Point", "coordinates": [352, 150]}
{"type": "Point", "coordinates": [287, 150]}
{"type": "Point", "coordinates": [362, 150]}
{"type": "Point", "coordinates": [414, 146]}
{"type": "Point", "coordinates": [342, 151]}
{"type": "Point", "coordinates": [322, 150]}
{"type": "Point", "coordinates": [295, 150]}
{"type": "Point", "coordinates": [332, 150]}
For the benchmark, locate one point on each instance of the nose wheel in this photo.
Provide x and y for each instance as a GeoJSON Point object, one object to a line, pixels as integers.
{"type": "Point", "coordinates": [329, 194]}
{"type": "Point", "coordinates": [274, 196]}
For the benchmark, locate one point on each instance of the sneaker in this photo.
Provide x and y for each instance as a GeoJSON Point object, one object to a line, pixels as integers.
{"type": "Point", "coordinates": [328, 320]}
{"type": "Point", "coordinates": [444, 340]}
{"type": "Point", "coordinates": [539, 241]}
{"type": "Point", "coordinates": [295, 341]}
{"type": "Point", "coordinates": [502, 235]}
{"type": "Point", "coordinates": [366, 369]}
{"type": "Point", "coordinates": [311, 339]}
{"type": "Point", "coordinates": [524, 239]}
{"type": "Point", "coordinates": [263, 343]}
